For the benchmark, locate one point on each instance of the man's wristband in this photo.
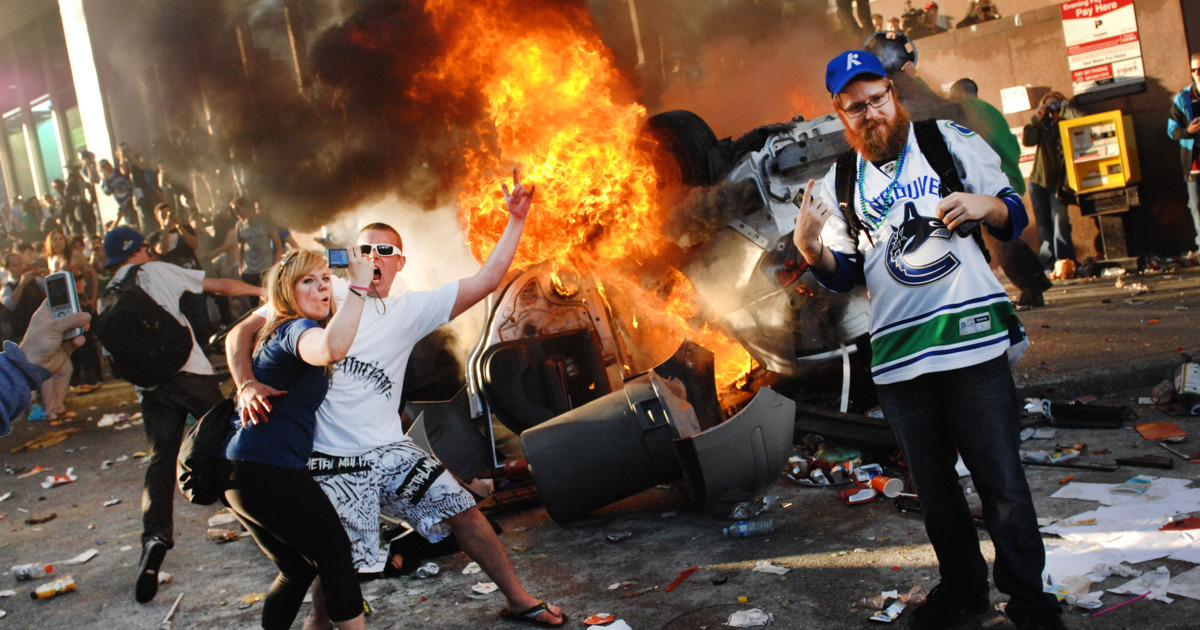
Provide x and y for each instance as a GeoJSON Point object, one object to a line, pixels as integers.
{"type": "Point", "coordinates": [363, 289]}
{"type": "Point", "coordinates": [361, 295]}
{"type": "Point", "coordinates": [244, 384]}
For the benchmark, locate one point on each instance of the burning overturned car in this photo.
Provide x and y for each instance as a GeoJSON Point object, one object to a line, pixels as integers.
{"type": "Point", "coordinates": [686, 366]}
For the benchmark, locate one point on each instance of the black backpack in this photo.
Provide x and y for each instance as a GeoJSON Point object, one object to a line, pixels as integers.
{"type": "Point", "coordinates": [933, 147]}
{"type": "Point", "coordinates": [147, 344]}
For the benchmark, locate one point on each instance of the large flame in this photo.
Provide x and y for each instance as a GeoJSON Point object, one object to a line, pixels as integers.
{"type": "Point", "coordinates": [554, 110]}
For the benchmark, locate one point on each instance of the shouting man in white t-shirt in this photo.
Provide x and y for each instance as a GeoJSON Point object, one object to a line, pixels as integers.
{"type": "Point", "coordinates": [361, 458]}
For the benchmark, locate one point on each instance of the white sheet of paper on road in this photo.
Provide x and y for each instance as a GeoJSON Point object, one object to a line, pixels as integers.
{"type": "Point", "coordinates": [1186, 584]}
{"type": "Point", "coordinates": [1126, 530]}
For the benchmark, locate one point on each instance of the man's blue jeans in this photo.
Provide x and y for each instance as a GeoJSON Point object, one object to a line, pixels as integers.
{"type": "Point", "coordinates": [973, 411]}
{"type": "Point", "coordinates": [1053, 219]}
{"type": "Point", "coordinates": [1193, 189]}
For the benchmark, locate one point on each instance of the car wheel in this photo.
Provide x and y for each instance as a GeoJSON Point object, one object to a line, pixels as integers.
{"type": "Point", "coordinates": [687, 139]}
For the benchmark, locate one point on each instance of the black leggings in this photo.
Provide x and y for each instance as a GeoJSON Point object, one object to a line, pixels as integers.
{"type": "Point", "coordinates": [293, 522]}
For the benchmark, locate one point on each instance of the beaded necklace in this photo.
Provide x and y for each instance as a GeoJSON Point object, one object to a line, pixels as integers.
{"type": "Point", "coordinates": [887, 192]}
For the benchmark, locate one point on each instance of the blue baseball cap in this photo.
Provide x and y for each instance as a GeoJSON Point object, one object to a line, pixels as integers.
{"type": "Point", "coordinates": [850, 64]}
{"type": "Point", "coordinates": [120, 243]}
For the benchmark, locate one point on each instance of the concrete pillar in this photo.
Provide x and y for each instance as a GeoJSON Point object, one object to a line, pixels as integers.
{"type": "Point", "coordinates": [88, 92]}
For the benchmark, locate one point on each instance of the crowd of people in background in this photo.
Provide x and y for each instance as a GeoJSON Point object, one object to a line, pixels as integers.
{"type": "Point", "coordinates": [915, 22]}
{"type": "Point", "coordinates": [61, 231]}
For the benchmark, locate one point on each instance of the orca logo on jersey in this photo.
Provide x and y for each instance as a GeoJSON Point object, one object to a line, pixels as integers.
{"type": "Point", "coordinates": [962, 131]}
{"type": "Point", "coordinates": [904, 255]}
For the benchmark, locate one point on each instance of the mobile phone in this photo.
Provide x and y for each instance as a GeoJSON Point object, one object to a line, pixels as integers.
{"type": "Point", "coordinates": [338, 258]}
{"type": "Point", "coordinates": [60, 291]}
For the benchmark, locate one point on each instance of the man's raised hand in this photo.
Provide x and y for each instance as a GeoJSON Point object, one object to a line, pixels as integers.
{"type": "Point", "coordinates": [519, 199]}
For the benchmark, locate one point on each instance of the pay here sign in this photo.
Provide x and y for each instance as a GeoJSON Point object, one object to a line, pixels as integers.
{"type": "Point", "coordinates": [1103, 46]}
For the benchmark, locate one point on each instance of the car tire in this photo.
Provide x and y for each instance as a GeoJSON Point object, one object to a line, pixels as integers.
{"type": "Point", "coordinates": [689, 140]}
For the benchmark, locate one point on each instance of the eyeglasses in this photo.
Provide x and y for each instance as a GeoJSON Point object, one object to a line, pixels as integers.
{"type": "Point", "coordinates": [1195, 70]}
{"type": "Point", "coordinates": [857, 110]}
{"type": "Point", "coordinates": [381, 249]}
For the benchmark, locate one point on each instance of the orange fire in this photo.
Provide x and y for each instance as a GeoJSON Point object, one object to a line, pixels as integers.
{"type": "Point", "coordinates": [555, 110]}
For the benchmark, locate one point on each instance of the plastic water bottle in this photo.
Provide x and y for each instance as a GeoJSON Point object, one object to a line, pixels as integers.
{"type": "Point", "coordinates": [25, 572]}
{"type": "Point", "coordinates": [57, 587]}
{"type": "Point", "coordinates": [746, 529]}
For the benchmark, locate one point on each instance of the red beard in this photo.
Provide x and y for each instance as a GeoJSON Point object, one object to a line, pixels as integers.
{"type": "Point", "coordinates": [881, 140]}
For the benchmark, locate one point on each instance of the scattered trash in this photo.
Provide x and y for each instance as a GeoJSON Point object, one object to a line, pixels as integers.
{"type": "Point", "coordinates": [6, 496]}
{"type": "Point", "coordinates": [914, 596]}
{"type": "Point", "coordinates": [766, 566]}
{"type": "Point", "coordinates": [58, 480]}
{"type": "Point", "coordinates": [8, 592]}
{"type": "Point", "coordinates": [683, 575]}
{"type": "Point", "coordinates": [37, 413]}
{"type": "Point", "coordinates": [164, 577]}
{"type": "Point", "coordinates": [246, 601]}
{"type": "Point", "coordinates": [106, 464]}
{"type": "Point", "coordinates": [1160, 430]}
{"type": "Point", "coordinates": [55, 588]}
{"type": "Point", "coordinates": [32, 471]}
{"type": "Point", "coordinates": [26, 572]}
{"type": "Point", "coordinates": [750, 509]}
{"type": "Point", "coordinates": [887, 486]}
{"type": "Point", "coordinates": [223, 535]}
{"type": "Point", "coordinates": [427, 570]}
{"type": "Point", "coordinates": [471, 568]}
{"type": "Point", "coordinates": [41, 519]}
{"type": "Point", "coordinates": [619, 624]}
{"type": "Point", "coordinates": [858, 494]}
{"type": "Point", "coordinates": [1148, 461]}
{"type": "Point", "coordinates": [599, 618]}
{"type": "Point", "coordinates": [1173, 525]}
{"type": "Point", "coordinates": [111, 502]}
{"type": "Point", "coordinates": [79, 559]}
{"type": "Point", "coordinates": [1135, 485]}
{"type": "Point", "coordinates": [484, 588]}
{"type": "Point", "coordinates": [1045, 433]}
{"type": "Point", "coordinates": [1076, 415]}
{"type": "Point", "coordinates": [1105, 569]}
{"type": "Point", "coordinates": [1128, 601]}
{"type": "Point", "coordinates": [746, 529]}
{"type": "Point", "coordinates": [223, 516]}
{"type": "Point", "coordinates": [1187, 386]}
{"type": "Point", "coordinates": [750, 618]}
{"type": "Point", "coordinates": [1151, 584]}
{"type": "Point", "coordinates": [109, 419]}
{"type": "Point", "coordinates": [617, 537]}
{"type": "Point", "coordinates": [889, 613]}
{"type": "Point", "coordinates": [165, 624]}
{"type": "Point", "coordinates": [47, 439]}
{"type": "Point", "coordinates": [1191, 459]}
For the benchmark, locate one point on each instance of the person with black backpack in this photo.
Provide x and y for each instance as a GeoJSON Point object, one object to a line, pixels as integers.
{"type": "Point", "coordinates": [152, 346]}
{"type": "Point", "coordinates": [942, 330]}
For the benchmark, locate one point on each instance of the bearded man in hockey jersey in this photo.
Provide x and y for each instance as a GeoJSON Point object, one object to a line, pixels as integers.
{"type": "Point", "coordinates": [942, 329]}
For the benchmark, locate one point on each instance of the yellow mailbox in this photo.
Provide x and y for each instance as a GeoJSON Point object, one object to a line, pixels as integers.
{"type": "Point", "coordinates": [1101, 152]}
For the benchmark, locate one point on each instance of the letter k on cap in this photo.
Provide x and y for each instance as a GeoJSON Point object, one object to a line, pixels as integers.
{"type": "Point", "coordinates": [852, 60]}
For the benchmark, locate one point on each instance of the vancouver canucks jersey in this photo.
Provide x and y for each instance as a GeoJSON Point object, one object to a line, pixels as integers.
{"type": "Point", "coordinates": [935, 304]}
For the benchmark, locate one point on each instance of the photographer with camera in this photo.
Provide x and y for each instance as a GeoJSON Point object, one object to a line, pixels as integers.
{"type": "Point", "coordinates": [1048, 191]}
{"type": "Point", "coordinates": [981, 11]}
{"type": "Point", "coordinates": [1183, 126]}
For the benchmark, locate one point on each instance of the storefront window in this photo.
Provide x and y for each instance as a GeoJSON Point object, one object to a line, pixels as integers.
{"type": "Point", "coordinates": [14, 134]}
{"type": "Point", "coordinates": [46, 126]}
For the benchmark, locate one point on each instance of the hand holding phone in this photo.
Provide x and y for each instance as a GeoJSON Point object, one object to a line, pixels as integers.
{"type": "Point", "coordinates": [60, 293]}
{"type": "Point", "coordinates": [338, 258]}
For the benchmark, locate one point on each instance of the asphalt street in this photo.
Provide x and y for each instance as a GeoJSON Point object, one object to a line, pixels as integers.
{"type": "Point", "coordinates": [1109, 344]}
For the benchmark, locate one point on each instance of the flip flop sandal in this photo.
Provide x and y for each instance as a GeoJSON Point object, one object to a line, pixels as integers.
{"type": "Point", "coordinates": [530, 616]}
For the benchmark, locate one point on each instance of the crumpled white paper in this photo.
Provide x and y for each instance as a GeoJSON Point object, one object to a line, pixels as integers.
{"type": "Point", "coordinates": [1156, 582]}
{"type": "Point", "coordinates": [750, 618]}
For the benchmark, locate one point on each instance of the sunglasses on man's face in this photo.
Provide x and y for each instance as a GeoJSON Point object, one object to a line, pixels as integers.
{"type": "Point", "coordinates": [381, 249]}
